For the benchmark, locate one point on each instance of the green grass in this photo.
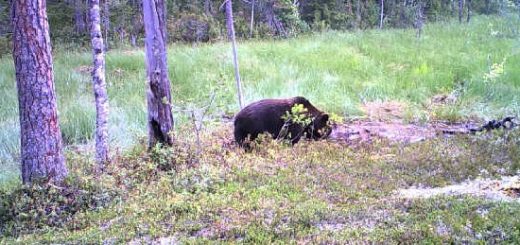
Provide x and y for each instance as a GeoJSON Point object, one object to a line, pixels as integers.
{"type": "Point", "coordinates": [318, 192]}
{"type": "Point", "coordinates": [336, 71]}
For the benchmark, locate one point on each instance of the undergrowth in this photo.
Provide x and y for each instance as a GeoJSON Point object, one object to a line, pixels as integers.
{"type": "Point", "coordinates": [316, 191]}
{"type": "Point", "coordinates": [475, 64]}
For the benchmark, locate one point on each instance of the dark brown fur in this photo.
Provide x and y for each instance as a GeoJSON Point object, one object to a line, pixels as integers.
{"type": "Point", "coordinates": [266, 116]}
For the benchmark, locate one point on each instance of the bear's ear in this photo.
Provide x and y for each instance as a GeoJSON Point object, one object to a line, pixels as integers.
{"type": "Point", "coordinates": [325, 118]}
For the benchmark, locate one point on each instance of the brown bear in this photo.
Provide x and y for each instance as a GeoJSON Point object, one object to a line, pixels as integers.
{"type": "Point", "coordinates": [269, 115]}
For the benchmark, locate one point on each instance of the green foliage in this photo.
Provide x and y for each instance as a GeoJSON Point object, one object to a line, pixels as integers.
{"type": "Point", "coordinates": [476, 221]}
{"type": "Point", "coordinates": [319, 192]}
{"type": "Point", "coordinates": [335, 118]}
{"type": "Point", "coordinates": [298, 115]}
{"type": "Point", "coordinates": [322, 15]}
{"type": "Point", "coordinates": [28, 209]}
{"type": "Point", "coordinates": [290, 16]}
{"type": "Point", "coordinates": [194, 28]}
{"type": "Point", "coordinates": [336, 71]}
{"type": "Point", "coordinates": [495, 71]}
{"type": "Point", "coordinates": [78, 123]}
{"type": "Point", "coordinates": [202, 21]}
{"type": "Point", "coordinates": [61, 25]}
{"type": "Point", "coordinates": [172, 157]}
{"type": "Point", "coordinates": [5, 46]}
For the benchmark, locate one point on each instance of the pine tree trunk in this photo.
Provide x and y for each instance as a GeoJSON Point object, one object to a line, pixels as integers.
{"type": "Point", "coordinates": [208, 8]}
{"type": "Point", "coordinates": [518, 6]}
{"type": "Point", "coordinates": [469, 10]}
{"type": "Point", "coordinates": [419, 19]}
{"type": "Point", "coordinates": [349, 7]}
{"type": "Point", "coordinates": [452, 4]}
{"type": "Point", "coordinates": [272, 21]}
{"type": "Point", "coordinates": [358, 14]}
{"type": "Point", "coordinates": [79, 17]}
{"type": "Point", "coordinates": [160, 119]}
{"type": "Point", "coordinates": [99, 84]}
{"type": "Point", "coordinates": [461, 8]}
{"type": "Point", "coordinates": [137, 22]}
{"type": "Point", "coordinates": [106, 22]}
{"type": "Point", "coordinates": [231, 36]}
{"type": "Point", "coordinates": [41, 143]}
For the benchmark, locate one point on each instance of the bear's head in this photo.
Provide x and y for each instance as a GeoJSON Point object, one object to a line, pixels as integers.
{"type": "Point", "coordinates": [319, 127]}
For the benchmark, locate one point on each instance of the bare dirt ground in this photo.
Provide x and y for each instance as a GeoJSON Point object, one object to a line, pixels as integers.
{"type": "Point", "coordinates": [384, 120]}
{"type": "Point", "coordinates": [365, 130]}
{"type": "Point", "coordinates": [505, 189]}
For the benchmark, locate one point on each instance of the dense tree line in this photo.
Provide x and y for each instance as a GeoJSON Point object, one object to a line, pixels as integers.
{"type": "Point", "coordinates": [204, 20]}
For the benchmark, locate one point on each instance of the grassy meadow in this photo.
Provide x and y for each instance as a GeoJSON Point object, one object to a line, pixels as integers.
{"type": "Point", "coordinates": [314, 192]}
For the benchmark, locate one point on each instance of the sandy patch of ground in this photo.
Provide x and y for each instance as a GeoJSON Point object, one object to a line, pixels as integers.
{"type": "Point", "coordinates": [385, 120]}
{"type": "Point", "coordinates": [505, 189]}
{"type": "Point", "coordinates": [364, 131]}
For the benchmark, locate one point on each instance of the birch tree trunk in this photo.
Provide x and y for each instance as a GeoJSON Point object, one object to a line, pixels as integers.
{"type": "Point", "coordinates": [231, 36]}
{"type": "Point", "coordinates": [160, 119]}
{"type": "Point", "coordinates": [99, 84]}
{"type": "Point", "coordinates": [419, 18]}
{"type": "Point", "coordinates": [252, 23]}
{"type": "Point", "coordinates": [382, 12]}
{"type": "Point", "coordinates": [41, 142]}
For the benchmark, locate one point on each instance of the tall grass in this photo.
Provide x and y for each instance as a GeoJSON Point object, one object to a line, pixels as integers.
{"type": "Point", "coordinates": [337, 71]}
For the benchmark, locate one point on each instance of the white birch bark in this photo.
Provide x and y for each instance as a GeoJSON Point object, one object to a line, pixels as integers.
{"type": "Point", "coordinates": [99, 84]}
{"type": "Point", "coordinates": [381, 15]}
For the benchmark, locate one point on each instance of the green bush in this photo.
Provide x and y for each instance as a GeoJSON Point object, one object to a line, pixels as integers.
{"type": "Point", "coordinates": [5, 46]}
{"type": "Point", "coordinates": [194, 28]}
{"type": "Point", "coordinates": [38, 206]}
{"type": "Point", "coordinates": [170, 158]}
